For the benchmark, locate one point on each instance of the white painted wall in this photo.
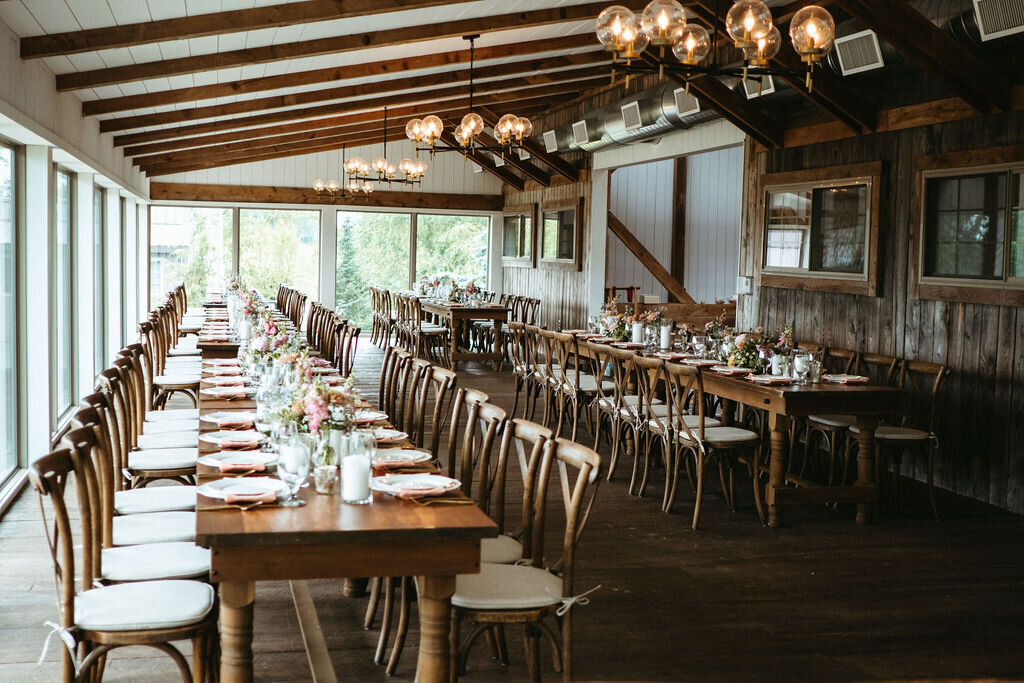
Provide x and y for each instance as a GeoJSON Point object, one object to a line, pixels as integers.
{"type": "Point", "coordinates": [707, 136]}
{"type": "Point", "coordinates": [641, 197]}
{"type": "Point", "coordinates": [714, 197]}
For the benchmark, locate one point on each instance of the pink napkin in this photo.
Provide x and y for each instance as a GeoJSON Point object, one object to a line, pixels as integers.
{"type": "Point", "coordinates": [226, 370]}
{"type": "Point", "coordinates": [233, 422]}
{"type": "Point", "coordinates": [845, 379]}
{"type": "Point", "coordinates": [408, 494]}
{"type": "Point", "coordinates": [235, 381]}
{"type": "Point", "coordinates": [231, 396]}
{"type": "Point", "coordinates": [227, 467]}
{"type": "Point", "coordinates": [239, 443]}
{"type": "Point", "coordinates": [243, 498]}
{"type": "Point", "coordinates": [319, 362]}
{"type": "Point", "coordinates": [214, 339]}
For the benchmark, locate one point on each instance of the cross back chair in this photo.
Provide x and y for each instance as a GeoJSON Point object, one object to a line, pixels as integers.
{"type": "Point", "coordinates": [544, 591]}
{"type": "Point", "coordinates": [434, 391]}
{"type": "Point", "coordinates": [94, 621]}
{"type": "Point", "coordinates": [619, 403]}
{"type": "Point", "coordinates": [571, 386]}
{"type": "Point", "coordinates": [522, 371]}
{"type": "Point", "coordinates": [695, 438]}
{"type": "Point", "coordinates": [346, 341]}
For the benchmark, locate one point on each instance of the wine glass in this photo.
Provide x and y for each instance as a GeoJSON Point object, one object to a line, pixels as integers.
{"type": "Point", "coordinates": [801, 366]}
{"type": "Point", "coordinates": [293, 463]}
{"type": "Point", "coordinates": [699, 345]}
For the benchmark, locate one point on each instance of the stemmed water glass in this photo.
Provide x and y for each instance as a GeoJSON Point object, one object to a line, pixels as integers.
{"type": "Point", "coordinates": [293, 463]}
{"type": "Point", "coordinates": [801, 365]}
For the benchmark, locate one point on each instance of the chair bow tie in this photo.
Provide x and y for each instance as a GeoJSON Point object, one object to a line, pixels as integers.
{"type": "Point", "coordinates": [580, 599]}
{"type": "Point", "coordinates": [66, 636]}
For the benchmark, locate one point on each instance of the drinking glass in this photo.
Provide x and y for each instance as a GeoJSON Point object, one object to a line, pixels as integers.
{"type": "Point", "coordinates": [699, 344]}
{"type": "Point", "coordinates": [357, 467]}
{"type": "Point", "coordinates": [801, 366]}
{"type": "Point", "coordinates": [325, 470]}
{"type": "Point", "coordinates": [293, 463]}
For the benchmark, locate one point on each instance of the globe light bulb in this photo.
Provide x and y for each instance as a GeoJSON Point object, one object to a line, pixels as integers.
{"type": "Point", "coordinates": [692, 45]}
{"type": "Point", "coordinates": [747, 21]}
{"type": "Point", "coordinates": [767, 47]}
{"type": "Point", "coordinates": [332, 186]}
{"type": "Point", "coordinates": [812, 31]}
{"type": "Point", "coordinates": [318, 185]}
{"type": "Point", "coordinates": [414, 129]}
{"type": "Point", "coordinates": [612, 23]}
{"type": "Point", "coordinates": [367, 187]}
{"type": "Point", "coordinates": [662, 20]}
{"type": "Point", "coordinates": [431, 128]}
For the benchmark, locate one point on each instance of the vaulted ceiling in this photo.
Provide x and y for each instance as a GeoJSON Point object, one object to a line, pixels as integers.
{"type": "Point", "coordinates": [190, 84]}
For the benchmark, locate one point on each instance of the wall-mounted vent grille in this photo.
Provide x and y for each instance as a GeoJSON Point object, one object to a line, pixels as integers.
{"type": "Point", "coordinates": [686, 104]}
{"type": "Point", "coordinates": [579, 133]}
{"type": "Point", "coordinates": [998, 18]}
{"type": "Point", "coordinates": [550, 142]}
{"type": "Point", "coordinates": [499, 160]}
{"type": "Point", "coordinates": [631, 116]}
{"type": "Point", "coordinates": [859, 52]}
{"type": "Point", "coordinates": [755, 87]}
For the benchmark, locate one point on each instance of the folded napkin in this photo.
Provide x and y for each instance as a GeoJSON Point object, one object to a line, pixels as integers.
{"type": "Point", "coordinates": [319, 362]}
{"type": "Point", "coordinates": [233, 422]}
{"type": "Point", "coordinates": [214, 339]}
{"type": "Point", "coordinates": [229, 381]}
{"type": "Point", "coordinates": [228, 467]}
{"type": "Point", "coordinates": [230, 396]}
{"type": "Point", "coordinates": [845, 379]}
{"type": "Point", "coordinates": [410, 494]}
{"type": "Point", "coordinates": [226, 370]}
{"type": "Point", "coordinates": [670, 356]}
{"type": "Point", "coordinates": [238, 443]}
{"type": "Point", "coordinates": [769, 379]}
{"type": "Point", "coordinates": [244, 498]}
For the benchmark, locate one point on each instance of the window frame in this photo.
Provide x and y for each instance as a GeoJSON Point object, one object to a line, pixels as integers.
{"type": "Point", "coordinates": [18, 238]}
{"type": "Point", "coordinates": [575, 263]}
{"type": "Point", "coordinates": [864, 283]}
{"type": "Point", "coordinates": [521, 260]}
{"type": "Point", "coordinates": [99, 245]}
{"type": "Point", "coordinates": [58, 413]}
{"type": "Point", "coordinates": [1005, 292]}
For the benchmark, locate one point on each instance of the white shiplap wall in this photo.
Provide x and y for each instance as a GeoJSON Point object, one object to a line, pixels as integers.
{"type": "Point", "coordinates": [448, 172]}
{"type": "Point", "coordinates": [714, 195]}
{"type": "Point", "coordinates": [641, 197]}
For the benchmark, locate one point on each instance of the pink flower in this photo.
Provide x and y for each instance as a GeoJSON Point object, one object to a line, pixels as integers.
{"type": "Point", "coordinates": [759, 329]}
{"type": "Point", "coordinates": [740, 339]}
{"type": "Point", "coordinates": [316, 411]}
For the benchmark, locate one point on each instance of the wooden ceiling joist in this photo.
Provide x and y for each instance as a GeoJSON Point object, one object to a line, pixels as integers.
{"type": "Point", "coordinates": [348, 72]}
{"type": "Point", "coordinates": [513, 90]}
{"type": "Point", "coordinates": [213, 23]}
{"type": "Point", "coordinates": [483, 161]}
{"type": "Point", "coordinates": [332, 45]}
{"type": "Point", "coordinates": [522, 165]}
{"type": "Point", "coordinates": [560, 165]}
{"type": "Point", "coordinates": [921, 41]}
{"type": "Point", "coordinates": [572, 67]}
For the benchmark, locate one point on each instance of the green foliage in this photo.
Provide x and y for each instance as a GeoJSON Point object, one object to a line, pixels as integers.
{"type": "Point", "coordinates": [456, 245]}
{"type": "Point", "coordinates": [201, 263]}
{"type": "Point", "coordinates": [279, 246]}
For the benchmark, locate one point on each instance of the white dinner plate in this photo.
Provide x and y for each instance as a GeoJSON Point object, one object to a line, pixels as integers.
{"type": "Point", "coordinates": [845, 379]}
{"type": "Point", "coordinates": [238, 418]}
{"type": "Point", "coordinates": [232, 381]}
{"type": "Point", "coordinates": [393, 483]}
{"type": "Point", "coordinates": [221, 362]}
{"type": "Point", "coordinates": [700, 362]}
{"type": "Point", "coordinates": [730, 370]}
{"type": "Point", "coordinates": [389, 457]}
{"type": "Point", "coordinates": [385, 435]}
{"type": "Point", "coordinates": [323, 369]}
{"type": "Point", "coordinates": [227, 437]}
{"type": "Point", "coordinates": [365, 416]}
{"type": "Point", "coordinates": [221, 392]}
{"type": "Point", "coordinates": [241, 485]}
{"type": "Point", "coordinates": [238, 457]}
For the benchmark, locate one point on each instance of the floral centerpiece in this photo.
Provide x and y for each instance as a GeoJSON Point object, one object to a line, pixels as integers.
{"type": "Point", "coordinates": [611, 322]}
{"type": "Point", "coordinates": [785, 344]}
{"type": "Point", "coordinates": [749, 348]}
{"type": "Point", "coordinates": [716, 328]}
{"type": "Point", "coordinates": [648, 317]}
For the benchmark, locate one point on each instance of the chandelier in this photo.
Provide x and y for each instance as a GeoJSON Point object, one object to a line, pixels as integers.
{"type": "Point", "coordinates": [363, 174]}
{"type": "Point", "coordinates": [748, 23]}
{"type": "Point", "coordinates": [509, 131]}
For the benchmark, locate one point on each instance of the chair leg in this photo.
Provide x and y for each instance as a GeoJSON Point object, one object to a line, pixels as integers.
{"type": "Point", "coordinates": [531, 641]}
{"type": "Point", "coordinates": [930, 455]}
{"type": "Point", "coordinates": [199, 659]}
{"type": "Point", "coordinates": [700, 489]}
{"type": "Point", "coordinates": [645, 443]}
{"type": "Point", "coordinates": [385, 620]}
{"type": "Point", "coordinates": [404, 607]}
{"type": "Point", "coordinates": [671, 458]}
{"type": "Point", "coordinates": [616, 439]}
{"type": "Point", "coordinates": [371, 607]}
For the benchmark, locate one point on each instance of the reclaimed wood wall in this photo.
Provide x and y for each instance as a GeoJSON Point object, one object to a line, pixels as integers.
{"type": "Point", "coordinates": [981, 416]}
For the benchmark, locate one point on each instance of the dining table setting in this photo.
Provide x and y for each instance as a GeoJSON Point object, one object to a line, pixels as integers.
{"type": "Point", "coordinates": [299, 477]}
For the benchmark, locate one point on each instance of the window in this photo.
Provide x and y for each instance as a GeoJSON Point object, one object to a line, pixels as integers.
{"type": "Point", "coordinates": [820, 229]}
{"type": "Point", "coordinates": [8, 317]}
{"type": "Point", "coordinates": [517, 237]}
{"type": "Point", "coordinates": [560, 235]}
{"type": "Point", "coordinates": [99, 222]}
{"type": "Point", "coordinates": [63, 357]}
{"type": "Point", "coordinates": [123, 243]}
{"type": "Point", "coordinates": [191, 245]}
{"type": "Point", "coordinates": [452, 245]}
{"type": "Point", "coordinates": [372, 249]}
{"type": "Point", "coordinates": [971, 226]}
{"type": "Point", "coordinates": [279, 246]}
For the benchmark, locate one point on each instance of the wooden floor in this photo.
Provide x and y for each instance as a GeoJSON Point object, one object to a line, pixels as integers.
{"type": "Point", "coordinates": [821, 600]}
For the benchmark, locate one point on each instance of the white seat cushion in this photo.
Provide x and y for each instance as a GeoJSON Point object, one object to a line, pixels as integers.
{"type": "Point", "coordinates": [724, 435]}
{"type": "Point", "coordinates": [693, 421]}
{"type": "Point", "coordinates": [154, 561]}
{"type": "Point", "coordinates": [841, 421]}
{"type": "Point", "coordinates": [887, 433]}
{"type": "Point", "coordinates": [501, 550]}
{"type": "Point", "coordinates": [144, 605]}
{"type": "Point", "coordinates": [176, 439]}
{"type": "Point", "coordinates": [173, 414]}
{"type": "Point", "coordinates": [155, 499]}
{"type": "Point", "coordinates": [507, 586]}
{"type": "Point", "coordinates": [167, 427]}
{"type": "Point", "coordinates": [163, 459]}
{"type": "Point", "coordinates": [179, 351]}
{"type": "Point", "coordinates": [588, 384]}
{"type": "Point", "coordinates": [177, 380]}
{"type": "Point", "coordinates": [154, 527]}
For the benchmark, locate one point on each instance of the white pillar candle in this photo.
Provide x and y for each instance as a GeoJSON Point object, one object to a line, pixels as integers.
{"type": "Point", "coordinates": [666, 337]}
{"type": "Point", "coordinates": [355, 478]}
{"type": "Point", "coordinates": [638, 333]}
{"type": "Point", "coordinates": [244, 329]}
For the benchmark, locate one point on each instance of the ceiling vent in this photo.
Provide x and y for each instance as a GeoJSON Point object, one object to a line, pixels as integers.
{"type": "Point", "coordinates": [631, 116]}
{"type": "Point", "coordinates": [579, 133]}
{"type": "Point", "coordinates": [477, 168]}
{"type": "Point", "coordinates": [998, 18]}
{"type": "Point", "coordinates": [523, 154]}
{"type": "Point", "coordinates": [755, 87]}
{"type": "Point", "coordinates": [499, 160]}
{"type": "Point", "coordinates": [686, 104]}
{"type": "Point", "coordinates": [550, 142]}
{"type": "Point", "coordinates": [859, 52]}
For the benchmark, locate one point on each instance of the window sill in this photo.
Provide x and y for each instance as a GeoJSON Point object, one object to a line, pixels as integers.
{"type": "Point", "coordinates": [11, 488]}
{"type": "Point", "coordinates": [816, 283]}
{"type": "Point", "coordinates": [507, 262]}
{"type": "Point", "coordinates": [998, 294]}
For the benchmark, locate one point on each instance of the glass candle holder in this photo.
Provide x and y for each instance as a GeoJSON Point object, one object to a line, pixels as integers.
{"type": "Point", "coordinates": [357, 468]}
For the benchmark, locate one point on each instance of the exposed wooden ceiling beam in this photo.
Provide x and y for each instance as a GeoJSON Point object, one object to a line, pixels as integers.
{"type": "Point", "coordinates": [571, 65]}
{"type": "Point", "coordinates": [341, 73]}
{"type": "Point", "coordinates": [332, 45]}
{"type": "Point", "coordinates": [213, 23]}
{"type": "Point", "coordinates": [921, 41]}
{"type": "Point", "coordinates": [523, 166]}
{"type": "Point", "coordinates": [516, 91]}
{"type": "Point", "coordinates": [560, 165]}
{"type": "Point", "coordinates": [257, 194]}
{"type": "Point", "coordinates": [483, 161]}
{"type": "Point", "coordinates": [782, 15]}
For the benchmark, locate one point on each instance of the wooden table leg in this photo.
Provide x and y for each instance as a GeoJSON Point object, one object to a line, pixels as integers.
{"type": "Point", "coordinates": [435, 608]}
{"type": "Point", "coordinates": [779, 425]}
{"type": "Point", "coordinates": [497, 344]}
{"type": "Point", "coordinates": [456, 328]}
{"type": "Point", "coordinates": [865, 461]}
{"type": "Point", "coordinates": [236, 610]}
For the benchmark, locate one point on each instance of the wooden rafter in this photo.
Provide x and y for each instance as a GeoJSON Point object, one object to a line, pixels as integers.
{"type": "Point", "coordinates": [513, 91]}
{"type": "Point", "coordinates": [560, 165]}
{"type": "Point", "coordinates": [921, 41]}
{"type": "Point", "coordinates": [348, 72]}
{"type": "Point", "coordinates": [648, 260]}
{"type": "Point", "coordinates": [573, 67]}
{"type": "Point", "coordinates": [214, 23]}
{"type": "Point", "coordinates": [332, 45]}
{"type": "Point", "coordinates": [483, 161]}
{"type": "Point", "coordinates": [261, 194]}
{"type": "Point", "coordinates": [523, 166]}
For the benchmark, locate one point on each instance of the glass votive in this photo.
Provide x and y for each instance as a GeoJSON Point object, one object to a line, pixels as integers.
{"type": "Point", "coordinates": [324, 478]}
{"type": "Point", "coordinates": [814, 371]}
{"type": "Point", "coordinates": [357, 468]}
